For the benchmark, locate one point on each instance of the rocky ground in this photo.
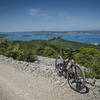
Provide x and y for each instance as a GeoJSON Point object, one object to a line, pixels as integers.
{"type": "Point", "coordinates": [44, 68]}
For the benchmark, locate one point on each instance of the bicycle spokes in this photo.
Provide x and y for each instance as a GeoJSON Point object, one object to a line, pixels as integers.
{"type": "Point", "coordinates": [75, 78]}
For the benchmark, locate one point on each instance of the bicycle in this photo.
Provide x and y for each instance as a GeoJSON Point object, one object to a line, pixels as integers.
{"type": "Point", "coordinates": [70, 70]}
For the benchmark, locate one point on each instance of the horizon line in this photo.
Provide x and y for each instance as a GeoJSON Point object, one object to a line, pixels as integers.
{"type": "Point", "coordinates": [52, 31]}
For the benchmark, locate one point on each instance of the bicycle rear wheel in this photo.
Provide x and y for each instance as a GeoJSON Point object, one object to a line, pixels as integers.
{"type": "Point", "coordinates": [59, 65]}
{"type": "Point", "coordinates": [76, 77]}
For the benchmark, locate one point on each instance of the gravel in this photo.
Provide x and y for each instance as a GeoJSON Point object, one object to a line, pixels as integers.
{"type": "Point", "coordinates": [44, 66]}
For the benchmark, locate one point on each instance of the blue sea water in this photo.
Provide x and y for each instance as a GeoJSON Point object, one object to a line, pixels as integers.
{"type": "Point", "coordinates": [78, 37]}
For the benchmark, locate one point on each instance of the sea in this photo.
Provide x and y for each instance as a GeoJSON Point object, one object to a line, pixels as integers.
{"type": "Point", "coordinates": [37, 35]}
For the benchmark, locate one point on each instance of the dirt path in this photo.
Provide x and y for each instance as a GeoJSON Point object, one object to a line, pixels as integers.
{"type": "Point", "coordinates": [19, 85]}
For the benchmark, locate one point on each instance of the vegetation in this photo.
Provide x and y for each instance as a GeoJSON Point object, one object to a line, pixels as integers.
{"type": "Point", "coordinates": [89, 58]}
{"type": "Point", "coordinates": [89, 55]}
{"type": "Point", "coordinates": [2, 36]}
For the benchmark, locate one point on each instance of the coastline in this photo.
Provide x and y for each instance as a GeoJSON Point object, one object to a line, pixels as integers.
{"type": "Point", "coordinates": [69, 36]}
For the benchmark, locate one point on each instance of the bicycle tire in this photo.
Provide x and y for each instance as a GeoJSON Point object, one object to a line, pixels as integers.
{"type": "Point", "coordinates": [59, 65]}
{"type": "Point", "coordinates": [76, 84]}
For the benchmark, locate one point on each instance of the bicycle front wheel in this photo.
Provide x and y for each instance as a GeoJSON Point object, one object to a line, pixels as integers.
{"type": "Point", "coordinates": [59, 65]}
{"type": "Point", "coordinates": [76, 77]}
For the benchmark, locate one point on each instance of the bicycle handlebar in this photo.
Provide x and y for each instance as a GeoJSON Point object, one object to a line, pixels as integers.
{"type": "Point", "coordinates": [71, 51]}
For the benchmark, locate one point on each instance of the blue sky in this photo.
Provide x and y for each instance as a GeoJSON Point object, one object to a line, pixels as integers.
{"type": "Point", "coordinates": [45, 15]}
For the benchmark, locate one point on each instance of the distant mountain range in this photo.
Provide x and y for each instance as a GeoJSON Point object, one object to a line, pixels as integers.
{"type": "Point", "coordinates": [89, 31]}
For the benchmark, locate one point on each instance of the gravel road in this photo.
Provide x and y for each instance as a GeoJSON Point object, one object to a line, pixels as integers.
{"type": "Point", "coordinates": [40, 84]}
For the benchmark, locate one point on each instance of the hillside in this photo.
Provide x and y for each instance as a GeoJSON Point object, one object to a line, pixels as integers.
{"type": "Point", "coordinates": [38, 81]}
{"type": "Point", "coordinates": [89, 55]}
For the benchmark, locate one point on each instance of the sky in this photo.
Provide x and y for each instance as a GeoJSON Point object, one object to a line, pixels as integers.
{"type": "Point", "coordinates": [49, 15]}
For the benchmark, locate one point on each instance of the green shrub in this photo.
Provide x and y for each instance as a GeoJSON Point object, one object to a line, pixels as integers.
{"type": "Point", "coordinates": [90, 58]}
{"type": "Point", "coordinates": [12, 51]}
{"type": "Point", "coordinates": [15, 51]}
{"type": "Point", "coordinates": [39, 50]}
{"type": "Point", "coordinates": [26, 56]}
{"type": "Point", "coordinates": [49, 52]}
{"type": "Point", "coordinates": [3, 43]}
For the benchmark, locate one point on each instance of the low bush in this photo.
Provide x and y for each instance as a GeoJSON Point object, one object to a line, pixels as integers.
{"type": "Point", "coordinates": [49, 52]}
{"type": "Point", "coordinates": [9, 49]}
{"type": "Point", "coordinates": [90, 58]}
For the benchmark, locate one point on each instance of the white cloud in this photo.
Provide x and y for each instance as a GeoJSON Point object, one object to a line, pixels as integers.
{"type": "Point", "coordinates": [34, 12]}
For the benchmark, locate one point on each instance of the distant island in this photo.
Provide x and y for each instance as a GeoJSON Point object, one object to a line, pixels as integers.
{"type": "Point", "coordinates": [66, 31]}
{"type": "Point", "coordinates": [3, 36]}
{"type": "Point", "coordinates": [69, 31]}
{"type": "Point", "coordinates": [93, 31]}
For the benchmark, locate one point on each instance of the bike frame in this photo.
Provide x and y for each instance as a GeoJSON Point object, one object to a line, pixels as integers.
{"type": "Point", "coordinates": [69, 61]}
